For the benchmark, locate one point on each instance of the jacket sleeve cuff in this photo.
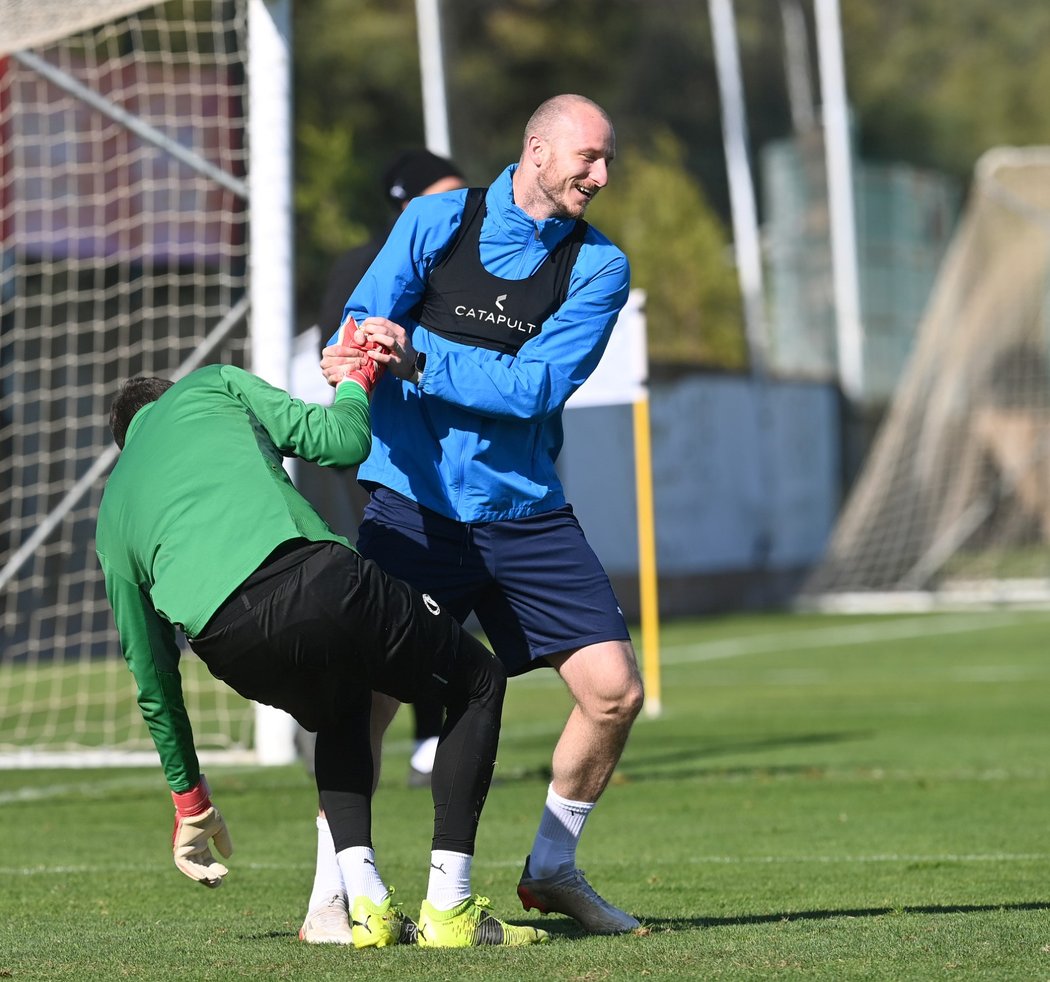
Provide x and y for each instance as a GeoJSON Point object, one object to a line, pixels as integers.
{"type": "Point", "coordinates": [350, 393]}
{"type": "Point", "coordinates": [194, 801]}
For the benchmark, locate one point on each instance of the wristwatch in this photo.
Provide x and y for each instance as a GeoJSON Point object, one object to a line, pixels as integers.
{"type": "Point", "coordinates": [419, 367]}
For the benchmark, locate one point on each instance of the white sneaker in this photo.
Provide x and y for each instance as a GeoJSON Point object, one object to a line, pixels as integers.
{"type": "Point", "coordinates": [568, 892]}
{"type": "Point", "coordinates": [328, 923]}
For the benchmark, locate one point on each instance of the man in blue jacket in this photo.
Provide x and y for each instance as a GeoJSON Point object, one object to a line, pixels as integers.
{"type": "Point", "coordinates": [492, 307]}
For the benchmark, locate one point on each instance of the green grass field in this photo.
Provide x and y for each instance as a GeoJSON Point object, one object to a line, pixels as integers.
{"type": "Point", "coordinates": [822, 798]}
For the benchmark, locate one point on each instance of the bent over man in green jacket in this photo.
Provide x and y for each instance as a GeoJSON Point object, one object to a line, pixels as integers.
{"type": "Point", "coordinates": [201, 530]}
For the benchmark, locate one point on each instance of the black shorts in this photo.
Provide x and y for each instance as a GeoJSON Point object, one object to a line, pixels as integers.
{"type": "Point", "coordinates": [318, 627]}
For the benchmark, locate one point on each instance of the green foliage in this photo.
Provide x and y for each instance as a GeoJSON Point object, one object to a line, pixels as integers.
{"type": "Point", "coordinates": [357, 104]}
{"type": "Point", "coordinates": [326, 226]}
{"type": "Point", "coordinates": [941, 82]}
{"type": "Point", "coordinates": [506, 58]}
{"type": "Point", "coordinates": [322, 191]}
{"type": "Point", "coordinates": [679, 255]}
{"type": "Point", "coordinates": [822, 798]}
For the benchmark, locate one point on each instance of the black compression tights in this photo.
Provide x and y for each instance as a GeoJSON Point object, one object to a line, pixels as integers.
{"type": "Point", "coordinates": [463, 766]}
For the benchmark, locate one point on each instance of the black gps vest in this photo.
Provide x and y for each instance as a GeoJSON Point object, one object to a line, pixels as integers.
{"type": "Point", "coordinates": [465, 303]}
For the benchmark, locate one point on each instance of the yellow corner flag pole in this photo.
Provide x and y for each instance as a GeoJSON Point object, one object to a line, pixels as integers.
{"type": "Point", "coordinates": [619, 380]}
{"type": "Point", "coordinates": [650, 609]}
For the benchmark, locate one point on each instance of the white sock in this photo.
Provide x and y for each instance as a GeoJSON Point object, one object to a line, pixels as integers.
{"type": "Point", "coordinates": [558, 834]}
{"type": "Point", "coordinates": [328, 879]}
{"type": "Point", "coordinates": [423, 758]}
{"type": "Point", "coordinates": [449, 879]}
{"type": "Point", "coordinates": [362, 879]}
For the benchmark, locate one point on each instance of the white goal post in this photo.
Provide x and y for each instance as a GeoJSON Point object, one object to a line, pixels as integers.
{"type": "Point", "coordinates": [129, 244]}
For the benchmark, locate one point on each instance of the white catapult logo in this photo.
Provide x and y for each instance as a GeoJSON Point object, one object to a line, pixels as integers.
{"type": "Point", "coordinates": [431, 604]}
{"type": "Point", "coordinates": [498, 319]}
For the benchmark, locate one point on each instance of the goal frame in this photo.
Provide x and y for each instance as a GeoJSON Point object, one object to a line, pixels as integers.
{"type": "Point", "coordinates": [268, 305]}
{"type": "Point", "coordinates": [952, 502]}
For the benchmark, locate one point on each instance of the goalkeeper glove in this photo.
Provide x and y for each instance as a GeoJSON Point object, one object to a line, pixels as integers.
{"type": "Point", "coordinates": [368, 374]}
{"type": "Point", "coordinates": [197, 821]}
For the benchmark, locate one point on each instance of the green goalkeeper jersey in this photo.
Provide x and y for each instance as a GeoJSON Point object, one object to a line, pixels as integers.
{"type": "Point", "coordinates": [197, 500]}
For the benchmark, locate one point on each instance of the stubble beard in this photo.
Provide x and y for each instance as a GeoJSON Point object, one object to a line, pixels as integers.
{"type": "Point", "coordinates": [554, 194]}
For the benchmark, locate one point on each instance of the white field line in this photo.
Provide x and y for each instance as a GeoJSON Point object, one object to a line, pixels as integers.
{"type": "Point", "coordinates": [872, 632]}
{"type": "Point", "coordinates": [831, 636]}
{"type": "Point", "coordinates": [101, 787]}
{"type": "Point", "coordinates": [995, 857]}
{"type": "Point", "coordinates": [95, 789]}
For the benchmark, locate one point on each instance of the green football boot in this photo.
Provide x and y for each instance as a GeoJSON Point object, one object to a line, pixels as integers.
{"type": "Point", "coordinates": [470, 925]}
{"type": "Point", "coordinates": [379, 925]}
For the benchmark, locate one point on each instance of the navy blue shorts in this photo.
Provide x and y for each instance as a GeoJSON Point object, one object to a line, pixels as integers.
{"type": "Point", "coordinates": [534, 583]}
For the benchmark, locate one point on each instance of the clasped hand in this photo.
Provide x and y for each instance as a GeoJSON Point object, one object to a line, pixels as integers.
{"type": "Point", "coordinates": [395, 351]}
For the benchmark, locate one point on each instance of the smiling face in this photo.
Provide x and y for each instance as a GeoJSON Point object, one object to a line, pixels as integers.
{"type": "Point", "coordinates": [565, 162]}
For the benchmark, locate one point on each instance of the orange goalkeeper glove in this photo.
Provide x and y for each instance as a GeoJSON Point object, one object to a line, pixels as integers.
{"type": "Point", "coordinates": [370, 372]}
{"type": "Point", "coordinates": [198, 821]}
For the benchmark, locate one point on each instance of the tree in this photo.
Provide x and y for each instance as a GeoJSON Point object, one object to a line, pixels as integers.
{"type": "Point", "coordinates": [679, 253]}
{"type": "Point", "coordinates": [357, 103]}
{"type": "Point", "coordinates": [938, 83]}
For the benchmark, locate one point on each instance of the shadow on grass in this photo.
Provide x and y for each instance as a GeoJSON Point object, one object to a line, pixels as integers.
{"type": "Point", "coordinates": [694, 762]}
{"type": "Point", "coordinates": [563, 929]}
{"type": "Point", "coordinates": [702, 752]}
{"type": "Point", "coordinates": [670, 923]}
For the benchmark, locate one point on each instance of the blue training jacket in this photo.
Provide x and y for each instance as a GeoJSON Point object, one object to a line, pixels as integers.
{"type": "Point", "coordinates": [478, 439]}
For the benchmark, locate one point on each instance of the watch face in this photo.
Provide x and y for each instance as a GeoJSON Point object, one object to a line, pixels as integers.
{"type": "Point", "coordinates": [421, 361]}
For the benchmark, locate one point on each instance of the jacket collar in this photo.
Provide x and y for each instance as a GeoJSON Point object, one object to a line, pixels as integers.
{"type": "Point", "coordinates": [499, 202]}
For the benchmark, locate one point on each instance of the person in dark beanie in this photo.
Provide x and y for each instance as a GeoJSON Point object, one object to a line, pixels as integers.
{"type": "Point", "coordinates": [409, 175]}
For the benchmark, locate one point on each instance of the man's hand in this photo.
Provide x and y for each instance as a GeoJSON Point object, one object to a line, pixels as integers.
{"type": "Point", "coordinates": [394, 348]}
{"type": "Point", "coordinates": [198, 821]}
{"type": "Point", "coordinates": [379, 339]}
{"type": "Point", "coordinates": [348, 360]}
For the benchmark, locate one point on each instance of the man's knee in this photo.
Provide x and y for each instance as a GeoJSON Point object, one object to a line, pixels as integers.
{"type": "Point", "coordinates": [622, 706]}
{"type": "Point", "coordinates": [487, 671]}
{"type": "Point", "coordinates": [633, 699]}
{"type": "Point", "coordinates": [478, 676]}
{"type": "Point", "coordinates": [605, 682]}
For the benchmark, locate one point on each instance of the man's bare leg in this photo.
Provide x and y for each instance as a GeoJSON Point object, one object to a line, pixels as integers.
{"type": "Point", "coordinates": [605, 683]}
{"type": "Point", "coordinates": [607, 687]}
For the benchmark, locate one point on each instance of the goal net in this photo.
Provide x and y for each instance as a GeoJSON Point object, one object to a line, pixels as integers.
{"type": "Point", "coordinates": [953, 503]}
{"type": "Point", "coordinates": [123, 251]}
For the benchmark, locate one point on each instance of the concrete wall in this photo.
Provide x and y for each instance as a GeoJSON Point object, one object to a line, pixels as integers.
{"type": "Point", "coordinates": [746, 487]}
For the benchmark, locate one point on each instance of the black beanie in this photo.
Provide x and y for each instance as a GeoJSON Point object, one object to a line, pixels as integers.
{"type": "Point", "coordinates": [412, 173]}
